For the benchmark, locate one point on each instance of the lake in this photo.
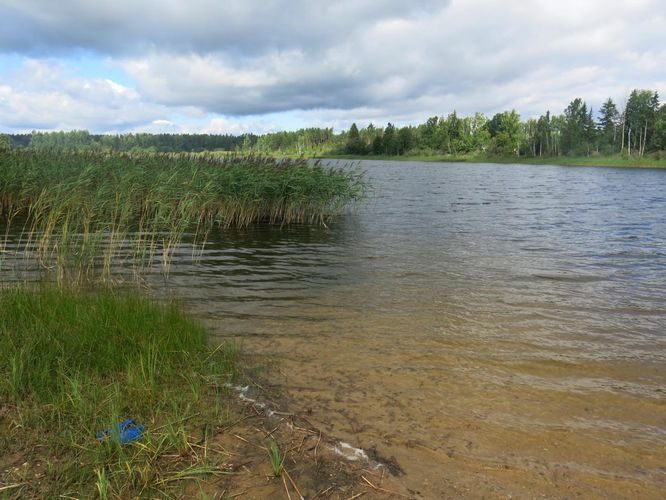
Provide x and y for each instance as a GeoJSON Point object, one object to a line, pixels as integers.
{"type": "Point", "coordinates": [497, 329]}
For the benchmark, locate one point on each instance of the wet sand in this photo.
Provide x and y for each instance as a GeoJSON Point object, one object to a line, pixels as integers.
{"type": "Point", "coordinates": [468, 418]}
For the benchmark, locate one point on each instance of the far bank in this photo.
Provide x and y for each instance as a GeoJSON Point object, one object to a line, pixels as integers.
{"type": "Point", "coordinates": [574, 161]}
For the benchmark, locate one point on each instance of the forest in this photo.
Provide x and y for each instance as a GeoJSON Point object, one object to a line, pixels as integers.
{"type": "Point", "coordinates": [636, 129]}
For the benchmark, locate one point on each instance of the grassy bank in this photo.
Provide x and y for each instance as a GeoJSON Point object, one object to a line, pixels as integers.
{"type": "Point", "coordinates": [73, 364]}
{"type": "Point", "coordinates": [78, 210]}
{"type": "Point", "coordinates": [586, 161]}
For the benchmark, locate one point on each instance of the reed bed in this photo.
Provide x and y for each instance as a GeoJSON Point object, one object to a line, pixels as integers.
{"type": "Point", "coordinates": [76, 211]}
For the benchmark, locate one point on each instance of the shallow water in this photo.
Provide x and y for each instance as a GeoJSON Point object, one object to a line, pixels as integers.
{"type": "Point", "coordinates": [498, 329]}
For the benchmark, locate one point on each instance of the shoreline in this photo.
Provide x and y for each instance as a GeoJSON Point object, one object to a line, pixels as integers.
{"type": "Point", "coordinates": [592, 161]}
{"type": "Point", "coordinates": [197, 431]}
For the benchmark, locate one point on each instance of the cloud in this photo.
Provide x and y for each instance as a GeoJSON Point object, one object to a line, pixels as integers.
{"type": "Point", "coordinates": [350, 60]}
{"type": "Point", "coordinates": [208, 125]}
{"type": "Point", "coordinates": [444, 57]}
{"type": "Point", "coordinates": [47, 95]}
{"type": "Point", "coordinates": [202, 26]}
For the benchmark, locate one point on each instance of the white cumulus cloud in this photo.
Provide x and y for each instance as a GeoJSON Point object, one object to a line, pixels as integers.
{"type": "Point", "coordinates": [45, 95]}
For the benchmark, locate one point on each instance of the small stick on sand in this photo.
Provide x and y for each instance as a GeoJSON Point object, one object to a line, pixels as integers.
{"type": "Point", "coordinates": [315, 451]}
{"type": "Point", "coordinates": [300, 495]}
{"type": "Point", "coordinates": [235, 423]}
{"type": "Point", "coordinates": [284, 481]}
{"type": "Point", "coordinates": [300, 446]}
{"type": "Point", "coordinates": [322, 492]}
{"type": "Point", "coordinates": [377, 488]}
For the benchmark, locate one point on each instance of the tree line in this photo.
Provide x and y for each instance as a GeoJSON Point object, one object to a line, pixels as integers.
{"type": "Point", "coordinates": [635, 129]}
{"type": "Point", "coordinates": [82, 139]}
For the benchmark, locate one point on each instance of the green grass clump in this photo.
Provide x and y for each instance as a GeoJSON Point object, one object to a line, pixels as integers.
{"type": "Point", "coordinates": [82, 211]}
{"type": "Point", "coordinates": [276, 458]}
{"type": "Point", "coordinates": [74, 363]}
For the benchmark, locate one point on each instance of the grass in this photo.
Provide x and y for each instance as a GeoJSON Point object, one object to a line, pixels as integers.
{"type": "Point", "coordinates": [81, 213]}
{"type": "Point", "coordinates": [276, 458]}
{"type": "Point", "coordinates": [585, 161]}
{"type": "Point", "coordinates": [73, 363]}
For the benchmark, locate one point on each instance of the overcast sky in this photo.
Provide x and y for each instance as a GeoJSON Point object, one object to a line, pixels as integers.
{"type": "Point", "coordinates": [232, 66]}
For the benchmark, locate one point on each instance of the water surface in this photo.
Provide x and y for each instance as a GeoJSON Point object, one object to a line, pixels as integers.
{"type": "Point", "coordinates": [498, 329]}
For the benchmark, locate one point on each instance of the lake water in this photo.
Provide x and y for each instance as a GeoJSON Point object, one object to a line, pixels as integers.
{"type": "Point", "coordinates": [497, 329]}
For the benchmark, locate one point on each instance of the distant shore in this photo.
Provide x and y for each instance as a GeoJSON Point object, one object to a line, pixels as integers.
{"type": "Point", "coordinates": [577, 161]}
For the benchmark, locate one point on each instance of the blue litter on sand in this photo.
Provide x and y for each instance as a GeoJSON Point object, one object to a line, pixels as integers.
{"type": "Point", "coordinates": [125, 432]}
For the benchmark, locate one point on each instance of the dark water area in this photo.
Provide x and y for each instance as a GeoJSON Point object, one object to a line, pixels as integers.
{"type": "Point", "coordinates": [498, 329]}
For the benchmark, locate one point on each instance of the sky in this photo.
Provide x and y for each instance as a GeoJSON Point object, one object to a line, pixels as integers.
{"type": "Point", "coordinates": [238, 66]}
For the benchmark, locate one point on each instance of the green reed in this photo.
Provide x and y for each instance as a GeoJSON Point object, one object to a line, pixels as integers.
{"type": "Point", "coordinates": [79, 211]}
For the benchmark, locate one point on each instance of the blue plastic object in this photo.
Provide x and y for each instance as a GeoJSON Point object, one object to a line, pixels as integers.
{"type": "Point", "coordinates": [125, 432]}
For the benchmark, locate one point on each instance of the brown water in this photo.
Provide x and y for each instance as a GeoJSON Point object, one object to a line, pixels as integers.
{"type": "Point", "coordinates": [498, 329]}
